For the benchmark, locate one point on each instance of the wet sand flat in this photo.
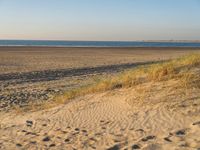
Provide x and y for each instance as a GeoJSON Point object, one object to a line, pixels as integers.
{"type": "Point", "coordinates": [26, 59]}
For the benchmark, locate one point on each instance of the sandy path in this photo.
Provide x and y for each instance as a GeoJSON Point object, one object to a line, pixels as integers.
{"type": "Point", "coordinates": [115, 120]}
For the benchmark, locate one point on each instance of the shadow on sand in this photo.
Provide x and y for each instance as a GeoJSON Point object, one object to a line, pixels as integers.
{"type": "Point", "coordinates": [49, 75]}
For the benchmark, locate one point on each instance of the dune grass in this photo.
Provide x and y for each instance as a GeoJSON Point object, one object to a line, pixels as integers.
{"type": "Point", "coordinates": [181, 69]}
{"type": "Point", "coordinates": [185, 70]}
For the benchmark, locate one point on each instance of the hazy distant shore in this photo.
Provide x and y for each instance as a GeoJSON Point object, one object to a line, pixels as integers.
{"type": "Point", "coordinates": [57, 43]}
{"type": "Point", "coordinates": [142, 47]}
{"type": "Point", "coordinates": [10, 47]}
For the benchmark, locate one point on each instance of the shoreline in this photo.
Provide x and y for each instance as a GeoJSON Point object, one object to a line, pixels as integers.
{"type": "Point", "coordinates": [2, 48]}
{"type": "Point", "coordinates": [146, 47]}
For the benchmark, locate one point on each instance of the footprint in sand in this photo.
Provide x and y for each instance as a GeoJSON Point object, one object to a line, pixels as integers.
{"type": "Point", "coordinates": [29, 123]}
{"type": "Point", "coordinates": [44, 125]}
{"type": "Point", "coordinates": [84, 131]}
{"type": "Point", "coordinates": [77, 129]}
{"type": "Point", "coordinates": [52, 145]}
{"type": "Point", "coordinates": [150, 137]}
{"type": "Point", "coordinates": [19, 145]}
{"type": "Point", "coordinates": [67, 140]}
{"type": "Point", "coordinates": [102, 121]}
{"type": "Point", "coordinates": [115, 147]}
{"type": "Point", "coordinates": [104, 128]}
{"type": "Point", "coordinates": [46, 139]}
{"type": "Point", "coordinates": [180, 132]}
{"type": "Point", "coordinates": [64, 132]}
{"type": "Point", "coordinates": [139, 130]}
{"type": "Point", "coordinates": [168, 139]}
{"type": "Point", "coordinates": [33, 142]}
{"type": "Point", "coordinates": [135, 146]}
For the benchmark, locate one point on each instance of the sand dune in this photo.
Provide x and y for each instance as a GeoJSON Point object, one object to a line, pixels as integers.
{"type": "Point", "coordinates": [158, 113]}
{"type": "Point", "coordinates": [119, 119]}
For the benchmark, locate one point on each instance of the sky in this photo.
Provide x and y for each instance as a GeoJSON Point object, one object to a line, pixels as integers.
{"type": "Point", "coordinates": [101, 20]}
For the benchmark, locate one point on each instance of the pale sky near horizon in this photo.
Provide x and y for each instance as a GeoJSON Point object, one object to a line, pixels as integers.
{"type": "Point", "coordinates": [121, 20]}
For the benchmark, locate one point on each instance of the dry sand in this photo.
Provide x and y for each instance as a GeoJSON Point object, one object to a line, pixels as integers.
{"type": "Point", "coordinates": [150, 116]}
{"type": "Point", "coordinates": [120, 119]}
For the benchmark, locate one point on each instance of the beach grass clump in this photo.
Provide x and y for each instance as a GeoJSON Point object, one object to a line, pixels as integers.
{"type": "Point", "coordinates": [159, 72]}
{"type": "Point", "coordinates": [190, 80]}
{"type": "Point", "coordinates": [173, 68]}
{"type": "Point", "coordinates": [192, 60]}
{"type": "Point", "coordinates": [180, 69]}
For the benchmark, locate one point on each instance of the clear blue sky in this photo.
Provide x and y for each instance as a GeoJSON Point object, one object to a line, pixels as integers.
{"type": "Point", "coordinates": [100, 19]}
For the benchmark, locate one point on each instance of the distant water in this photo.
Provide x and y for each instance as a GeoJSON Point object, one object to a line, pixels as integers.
{"type": "Point", "coordinates": [96, 43]}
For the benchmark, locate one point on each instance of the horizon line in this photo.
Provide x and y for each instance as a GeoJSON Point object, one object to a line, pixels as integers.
{"type": "Point", "coordinates": [197, 40]}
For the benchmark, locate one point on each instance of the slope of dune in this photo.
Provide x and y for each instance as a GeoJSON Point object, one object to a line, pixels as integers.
{"type": "Point", "coordinates": [162, 118]}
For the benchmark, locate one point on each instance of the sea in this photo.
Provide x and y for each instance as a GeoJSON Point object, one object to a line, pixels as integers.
{"type": "Point", "coordinates": [51, 43]}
